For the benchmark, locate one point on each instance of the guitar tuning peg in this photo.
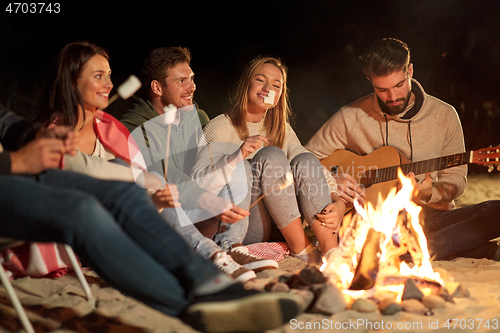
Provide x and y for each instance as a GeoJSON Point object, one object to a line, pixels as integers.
{"type": "Point", "coordinates": [491, 167]}
{"type": "Point", "coordinates": [498, 167]}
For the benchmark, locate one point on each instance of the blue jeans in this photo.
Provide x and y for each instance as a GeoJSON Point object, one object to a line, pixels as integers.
{"type": "Point", "coordinates": [309, 195]}
{"type": "Point", "coordinates": [238, 192]}
{"type": "Point", "coordinates": [113, 227]}
{"type": "Point", "coordinates": [461, 231]}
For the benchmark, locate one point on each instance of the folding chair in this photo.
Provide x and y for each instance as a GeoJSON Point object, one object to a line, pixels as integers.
{"type": "Point", "coordinates": [6, 243]}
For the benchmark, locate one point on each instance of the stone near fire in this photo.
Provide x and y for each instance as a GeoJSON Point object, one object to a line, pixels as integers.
{"type": "Point", "coordinates": [451, 286]}
{"type": "Point", "coordinates": [411, 291]}
{"type": "Point", "coordinates": [434, 302]}
{"type": "Point", "coordinates": [457, 290]}
{"type": "Point", "coordinates": [364, 305]}
{"type": "Point", "coordinates": [307, 297]}
{"type": "Point", "coordinates": [329, 300]}
{"type": "Point", "coordinates": [257, 284]}
{"type": "Point", "coordinates": [279, 287]}
{"type": "Point", "coordinates": [415, 306]}
{"type": "Point", "coordinates": [461, 292]}
{"type": "Point", "coordinates": [273, 273]}
{"type": "Point", "coordinates": [312, 275]}
{"type": "Point", "coordinates": [285, 278]}
{"type": "Point", "coordinates": [296, 282]}
{"type": "Point", "coordinates": [444, 294]}
{"type": "Point", "coordinates": [388, 306]}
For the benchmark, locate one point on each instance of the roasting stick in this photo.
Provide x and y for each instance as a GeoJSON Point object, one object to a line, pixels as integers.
{"type": "Point", "coordinates": [283, 183]}
{"type": "Point", "coordinates": [168, 119]}
{"type": "Point", "coordinates": [127, 88]}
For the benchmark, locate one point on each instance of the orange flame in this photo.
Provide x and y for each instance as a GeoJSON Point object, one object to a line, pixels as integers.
{"type": "Point", "coordinates": [383, 218]}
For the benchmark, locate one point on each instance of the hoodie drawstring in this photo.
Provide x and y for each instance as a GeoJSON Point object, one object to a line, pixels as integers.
{"type": "Point", "coordinates": [409, 134]}
{"type": "Point", "coordinates": [411, 144]}
{"type": "Point", "coordinates": [386, 131]}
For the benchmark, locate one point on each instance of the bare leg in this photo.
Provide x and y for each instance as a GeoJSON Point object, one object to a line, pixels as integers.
{"type": "Point", "coordinates": [326, 239]}
{"type": "Point", "coordinates": [295, 236]}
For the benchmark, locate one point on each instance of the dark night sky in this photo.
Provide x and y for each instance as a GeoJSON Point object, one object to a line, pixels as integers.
{"type": "Point", "coordinates": [455, 49]}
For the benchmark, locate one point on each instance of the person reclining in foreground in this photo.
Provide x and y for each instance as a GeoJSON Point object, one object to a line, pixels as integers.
{"type": "Point", "coordinates": [115, 229]}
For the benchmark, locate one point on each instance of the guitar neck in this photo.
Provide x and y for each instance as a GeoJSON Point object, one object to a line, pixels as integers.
{"type": "Point", "coordinates": [435, 164]}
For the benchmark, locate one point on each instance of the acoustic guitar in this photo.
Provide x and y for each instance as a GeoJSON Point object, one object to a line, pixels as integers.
{"type": "Point", "coordinates": [377, 172]}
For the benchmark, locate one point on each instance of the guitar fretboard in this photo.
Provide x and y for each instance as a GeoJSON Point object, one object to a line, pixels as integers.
{"type": "Point", "coordinates": [440, 163]}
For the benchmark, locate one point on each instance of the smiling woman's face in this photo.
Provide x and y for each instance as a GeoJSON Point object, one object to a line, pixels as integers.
{"type": "Point", "coordinates": [94, 83]}
{"type": "Point", "coordinates": [267, 78]}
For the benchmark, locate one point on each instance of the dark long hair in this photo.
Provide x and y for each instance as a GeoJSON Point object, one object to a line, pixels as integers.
{"type": "Point", "coordinates": [63, 100]}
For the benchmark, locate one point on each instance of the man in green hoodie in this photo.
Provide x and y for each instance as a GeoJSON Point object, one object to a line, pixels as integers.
{"type": "Point", "coordinates": [169, 80]}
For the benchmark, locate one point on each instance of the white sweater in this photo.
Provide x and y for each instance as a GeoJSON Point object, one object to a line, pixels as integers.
{"type": "Point", "coordinates": [221, 140]}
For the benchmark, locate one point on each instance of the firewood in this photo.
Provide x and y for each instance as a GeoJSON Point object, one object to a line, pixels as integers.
{"type": "Point", "coordinates": [367, 269]}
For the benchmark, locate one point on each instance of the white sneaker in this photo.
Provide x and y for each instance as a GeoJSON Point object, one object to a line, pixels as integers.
{"type": "Point", "coordinates": [226, 264]}
{"type": "Point", "coordinates": [311, 255]}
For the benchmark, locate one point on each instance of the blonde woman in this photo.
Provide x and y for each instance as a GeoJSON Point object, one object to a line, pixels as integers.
{"type": "Point", "coordinates": [261, 135]}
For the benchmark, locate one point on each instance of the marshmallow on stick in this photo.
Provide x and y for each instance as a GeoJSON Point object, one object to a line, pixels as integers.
{"type": "Point", "coordinates": [283, 183]}
{"type": "Point", "coordinates": [169, 113]}
{"type": "Point", "coordinates": [269, 99]}
{"type": "Point", "coordinates": [127, 88]}
{"type": "Point", "coordinates": [168, 119]}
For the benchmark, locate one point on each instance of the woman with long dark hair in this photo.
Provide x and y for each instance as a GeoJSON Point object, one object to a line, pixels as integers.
{"type": "Point", "coordinates": [77, 96]}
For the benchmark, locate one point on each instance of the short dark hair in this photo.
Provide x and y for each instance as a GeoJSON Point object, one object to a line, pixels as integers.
{"type": "Point", "coordinates": [162, 59]}
{"type": "Point", "coordinates": [385, 57]}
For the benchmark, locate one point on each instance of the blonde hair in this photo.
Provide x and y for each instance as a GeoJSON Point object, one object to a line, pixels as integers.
{"type": "Point", "coordinates": [276, 118]}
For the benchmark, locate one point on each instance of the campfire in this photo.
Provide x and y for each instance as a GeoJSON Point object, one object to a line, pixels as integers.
{"type": "Point", "coordinates": [367, 262]}
{"type": "Point", "coordinates": [366, 271]}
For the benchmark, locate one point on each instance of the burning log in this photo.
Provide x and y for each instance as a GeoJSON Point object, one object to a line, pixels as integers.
{"type": "Point", "coordinates": [420, 282]}
{"type": "Point", "coordinates": [367, 269]}
{"type": "Point", "coordinates": [409, 238]}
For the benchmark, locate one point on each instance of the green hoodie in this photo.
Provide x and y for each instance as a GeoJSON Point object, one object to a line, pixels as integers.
{"type": "Point", "coordinates": [151, 134]}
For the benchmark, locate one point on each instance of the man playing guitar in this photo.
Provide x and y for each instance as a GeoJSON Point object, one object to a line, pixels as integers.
{"type": "Point", "coordinates": [420, 127]}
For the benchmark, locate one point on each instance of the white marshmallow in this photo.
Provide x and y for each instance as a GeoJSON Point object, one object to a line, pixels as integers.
{"type": "Point", "coordinates": [169, 114]}
{"type": "Point", "coordinates": [129, 87]}
{"type": "Point", "coordinates": [269, 99]}
{"type": "Point", "coordinates": [286, 181]}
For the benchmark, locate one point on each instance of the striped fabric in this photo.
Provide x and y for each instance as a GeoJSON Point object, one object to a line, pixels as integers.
{"type": "Point", "coordinates": [275, 251]}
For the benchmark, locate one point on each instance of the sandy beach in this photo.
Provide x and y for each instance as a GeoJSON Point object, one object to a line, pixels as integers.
{"type": "Point", "coordinates": [58, 305]}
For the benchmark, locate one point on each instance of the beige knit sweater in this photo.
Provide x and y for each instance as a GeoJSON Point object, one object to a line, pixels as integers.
{"type": "Point", "coordinates": [361, 127]}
